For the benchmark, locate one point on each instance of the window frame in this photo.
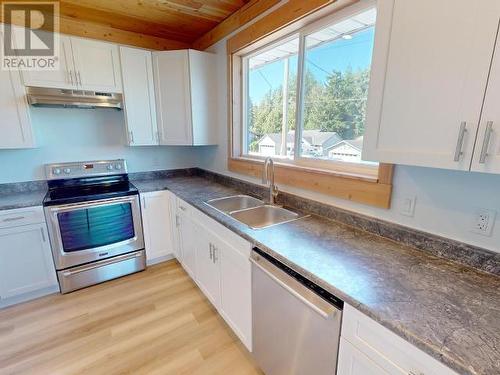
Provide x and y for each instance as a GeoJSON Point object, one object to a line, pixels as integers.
{"type": "Point", "coordinates": [367, 183]}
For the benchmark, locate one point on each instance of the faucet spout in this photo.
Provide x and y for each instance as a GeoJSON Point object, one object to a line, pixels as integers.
{"type": "Point", "coordinates": [268, 178]}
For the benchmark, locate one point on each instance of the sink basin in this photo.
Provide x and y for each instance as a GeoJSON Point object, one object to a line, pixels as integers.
{"type": "Point", "coordinates": [264, 216]}
{"type": "Point", "coordinates": [234, 203]}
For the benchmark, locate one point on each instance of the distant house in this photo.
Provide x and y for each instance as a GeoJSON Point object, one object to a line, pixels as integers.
{"type": "Point", "coordinates": [346, 150]}
{"type": "Point", "coordinates": [314, 143]}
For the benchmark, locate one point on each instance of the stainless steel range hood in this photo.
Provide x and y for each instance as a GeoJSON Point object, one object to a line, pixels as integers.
{"type": "Point", "coordinates": [50, 97]}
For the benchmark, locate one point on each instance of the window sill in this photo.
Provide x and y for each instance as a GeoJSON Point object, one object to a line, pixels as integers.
{"type": "Point", "coordinates": [374, 190]}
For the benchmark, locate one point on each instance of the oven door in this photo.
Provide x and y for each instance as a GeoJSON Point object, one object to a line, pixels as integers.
{"type": "Point", "coordinates": [89, 231]}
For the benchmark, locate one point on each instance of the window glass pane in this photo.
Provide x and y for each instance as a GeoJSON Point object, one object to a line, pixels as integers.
{"type": "Point", "coordinates": [271, 92]}
{"type": "Point", "coordinates": [337, 62]}
{"type": "Point", "coordinates": [96, 226]}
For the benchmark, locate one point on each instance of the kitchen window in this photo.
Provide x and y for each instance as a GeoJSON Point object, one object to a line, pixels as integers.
{"type": "Point", "coordinates": [300, 97]}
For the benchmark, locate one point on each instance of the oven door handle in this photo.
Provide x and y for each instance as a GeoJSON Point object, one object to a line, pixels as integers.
{"type": "Point", "coordinates": [96, 203]}
{"type": "Point", "coordinates": [101, 263]}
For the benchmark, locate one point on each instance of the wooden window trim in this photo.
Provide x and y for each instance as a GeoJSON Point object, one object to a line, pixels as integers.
{"type": "Point", "coordinates": [355, 185]}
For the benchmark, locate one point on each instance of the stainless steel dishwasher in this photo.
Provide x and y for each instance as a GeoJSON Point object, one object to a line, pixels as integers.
{"type": "Point", "coordinates": [296, 323]}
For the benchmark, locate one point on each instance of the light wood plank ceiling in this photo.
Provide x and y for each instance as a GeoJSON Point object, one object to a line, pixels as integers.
{"type": "Point", "coordinates": [157, 24]}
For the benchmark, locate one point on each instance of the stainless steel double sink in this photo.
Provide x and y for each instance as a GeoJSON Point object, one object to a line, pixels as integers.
{"type": "Point", "coordinates": [252, 211]}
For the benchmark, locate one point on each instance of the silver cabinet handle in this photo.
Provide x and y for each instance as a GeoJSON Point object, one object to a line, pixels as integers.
{"type": "Point", "coordinates": [144, 203]}
{"type": "Point", "coordinates": [486, 142]}
{"type": "Point", "coordinates": [131, 136]}
{"type": "Point", "coordinates": [79, 78]}
{"type": "Point", "coordinates": [177, 223]}
{"type": "Point", "coordinates": [43, 235]}
{"type": "Point", "coordinates": [211, 251]}
{"type": "Point", "coordinates": [15, 218]}
{"type": "Point", "coordinates": [214, 252]}
{"type": "Point", "coordinates": [460, 141]}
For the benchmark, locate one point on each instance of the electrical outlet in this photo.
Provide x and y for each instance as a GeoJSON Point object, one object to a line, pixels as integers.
{"type": "Point", "coordinates": [484, 220]}
{"type": "Point", "coordinates": [408, 206]}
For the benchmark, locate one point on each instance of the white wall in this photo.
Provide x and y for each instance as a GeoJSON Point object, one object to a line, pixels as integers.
{"type": "Point", "coordinates": [445, 203]}
{"type": "Point", "coordinates": [82, 134]}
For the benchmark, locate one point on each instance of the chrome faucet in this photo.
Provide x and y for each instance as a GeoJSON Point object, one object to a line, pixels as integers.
{"type": "Point", "coordinates": [268, 178]}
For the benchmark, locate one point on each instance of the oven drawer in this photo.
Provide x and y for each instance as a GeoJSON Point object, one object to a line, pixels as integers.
{"type": "Point", "coordinates": [100, 271]}
{"type": "Point", "coordinates": [21, 216]}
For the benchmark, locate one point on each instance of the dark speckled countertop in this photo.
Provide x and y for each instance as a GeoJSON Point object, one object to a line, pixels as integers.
{"type": "Point", "coordinates": [450, 311]}
{"type": "Point", "coordinates": [13, 200]}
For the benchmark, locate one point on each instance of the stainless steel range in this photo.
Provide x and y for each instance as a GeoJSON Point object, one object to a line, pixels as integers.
{"type": "Point", "coordinates": [94, 219]}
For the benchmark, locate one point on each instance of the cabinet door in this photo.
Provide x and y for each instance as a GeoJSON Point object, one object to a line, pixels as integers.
{"type": "Point", "coordinates": [487, 150]}
{"type": "Point", "coordinates": [139, 98]}
{"type": "Point", "coordinates": [428, 80]}
{"type": "Point", "coordinates": [203, 82]}
{"type": "Point", "coordinates": [187, 241]}
{"type": "Point", "coordinates": [156, 219]}
{"type": "Point", "coordinates": [62, 78]}
{"type": "Point", "coordinates": [207, 265]}
{"type": "Point", "coordinates": [15, 123]}
{"type": "Point", "coordinates": [354, 362]}
{"type": "Point", "coordinates": [175, 223]}
{"type": "Point", "coordinates": [25, 260]}
{"type": "Point", "coordinates": [97, 65]}
{"type": "Point", "coordinates": [236, 286]}
{"type": "Point", "coordinates": [171, 69]}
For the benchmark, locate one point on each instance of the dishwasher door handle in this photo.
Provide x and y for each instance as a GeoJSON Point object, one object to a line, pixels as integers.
{"type": "Point", "coordinates": [323, 308]}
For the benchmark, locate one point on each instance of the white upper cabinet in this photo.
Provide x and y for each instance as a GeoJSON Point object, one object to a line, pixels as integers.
{"type": "Point", "coordinates": [84, 64]}
{"type": "Point", "coordinates": [185, 85]}
{"type": "Point", "coordinates": [139, 97]}
{"type": "Point", "coordinates": [15, 124]}
{"type": "Point", "coordinates": [97, 65]}
{"type": "Point", "coordinates": [63, 78]}
{"type": "Point", "coordinates": [429, 74]}
{"type": "Point", "coordinates": [487, 150]}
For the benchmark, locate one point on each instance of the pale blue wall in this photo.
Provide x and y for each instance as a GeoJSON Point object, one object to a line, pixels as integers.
{"type": "Point", "coordinates": [82, 134]}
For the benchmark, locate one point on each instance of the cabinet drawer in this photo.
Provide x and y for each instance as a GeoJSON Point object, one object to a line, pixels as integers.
{"type": "Point", "coordinates": [386, 349]}
{"type": "Point", "coordinates": [21, 216]}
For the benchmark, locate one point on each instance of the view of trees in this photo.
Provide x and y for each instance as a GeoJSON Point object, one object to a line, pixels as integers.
{"type": "Point", "coordinates": [337, 105]}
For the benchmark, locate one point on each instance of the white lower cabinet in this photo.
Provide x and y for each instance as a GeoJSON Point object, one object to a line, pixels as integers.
{"type": "Point", "coordinates": [236, 289]}
{"type": "Point", "coordinates": [369, 348]}
{"type": "Point", "coordinates": [354, 362]}
{"type": "Point", "coordinates": [156, 221]}
{"type": "Point", "coordinates": [187, 243]}
{"type": "Point", "coordinates": [207, 264]}
{"type": "Point", "coordinates": [26, 266]}
{"type": "Point", "coordinates": [222, 270]}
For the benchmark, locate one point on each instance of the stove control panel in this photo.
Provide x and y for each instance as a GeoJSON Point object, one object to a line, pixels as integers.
{"type": "Point", "coordinates": [85, 169]}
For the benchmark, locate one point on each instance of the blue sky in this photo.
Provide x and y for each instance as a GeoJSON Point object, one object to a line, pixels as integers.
{"type": "Point", "coordinates": [355, 53]}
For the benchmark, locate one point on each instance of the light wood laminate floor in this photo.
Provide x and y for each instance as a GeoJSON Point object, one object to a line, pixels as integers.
{"type": "Point", "coordinates": [153, 322]}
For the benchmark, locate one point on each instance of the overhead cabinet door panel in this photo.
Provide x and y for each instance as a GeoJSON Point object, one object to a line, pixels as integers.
{"type": "Point", "coordinates": [487, 150]}
{"type": "Point", "coordinates": [97, 65]}
{"type": "Point", "coordinates": [138, 91]}
{"type": "Point", "coordinates": [62, 78]}
{"type": "Point", "coordinates": [173, 97]}
{"type": "Point", "coordinates": [430, 68]}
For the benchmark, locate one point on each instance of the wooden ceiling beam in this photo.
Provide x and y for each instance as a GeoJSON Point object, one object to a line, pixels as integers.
{"type": "Point", "coordinates": [239, 18]}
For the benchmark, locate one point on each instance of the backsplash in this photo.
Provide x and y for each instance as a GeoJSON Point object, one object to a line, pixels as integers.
{"type": "Point", "coordinates": [64, 135]}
